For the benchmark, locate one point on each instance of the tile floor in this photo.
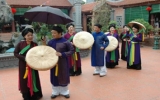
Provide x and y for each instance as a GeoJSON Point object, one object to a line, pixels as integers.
{"type": "Point", "coordinates": [119, 84]}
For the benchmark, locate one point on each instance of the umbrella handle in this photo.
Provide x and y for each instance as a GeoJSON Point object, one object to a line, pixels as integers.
{"type": "Point", "coordinates": [43, 37]}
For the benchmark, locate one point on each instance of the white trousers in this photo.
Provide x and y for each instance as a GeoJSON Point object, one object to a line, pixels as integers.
{"type": "Point", "coordinates": [102, 70]}
{"type": "Point", "coordinates": [59, 90]}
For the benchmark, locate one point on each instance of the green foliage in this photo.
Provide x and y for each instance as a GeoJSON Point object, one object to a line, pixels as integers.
{"type": "Point", "coordinates": [42, 29]}
{"type": "Point", "coordinates": [149, 27]}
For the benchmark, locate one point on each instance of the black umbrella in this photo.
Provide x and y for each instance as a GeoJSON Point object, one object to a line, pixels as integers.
{"type": "Point", "coordinates": [47, 15]}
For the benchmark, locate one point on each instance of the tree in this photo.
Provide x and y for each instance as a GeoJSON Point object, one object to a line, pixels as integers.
{"type": "Point", "coordinates": [101, 14]}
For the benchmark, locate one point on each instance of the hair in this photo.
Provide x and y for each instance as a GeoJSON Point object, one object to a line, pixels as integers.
{"type": "Point", "coordinates": [125, 26]}
{"type": "Point", "coordinates": [98, 25]}
{"type": "Point", "coordinates": [68, 25]}
{"type": "Point", "coordinates": [26, 31]}
{"type": "Point", "coordinates": [58, 29]}
{"type": "Point", "coordinates": [135, 26]}
{"type": "Point", "coordinates": [112, 25]}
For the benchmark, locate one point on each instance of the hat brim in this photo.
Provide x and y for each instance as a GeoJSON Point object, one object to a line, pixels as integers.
{"type": "Point", "coordinates": [83, 40]}
{"type": "Point", "coordinates": [141, 26]}
{"type": "Point", "coordinates": [41, 58]}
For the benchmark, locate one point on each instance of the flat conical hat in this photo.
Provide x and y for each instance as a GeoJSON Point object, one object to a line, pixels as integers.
{"type": "Point", "coordinates": [83, 40]}
{"type": "Point", "coordinates": [41, 58]}
{"type": "Point", "coordinates": [113, 43]}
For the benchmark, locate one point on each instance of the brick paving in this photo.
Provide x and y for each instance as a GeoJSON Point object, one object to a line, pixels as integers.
{"type": "Point", "coordinates": [119, 84]}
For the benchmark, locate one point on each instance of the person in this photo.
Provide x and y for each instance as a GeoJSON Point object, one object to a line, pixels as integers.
{"type": "Point", "coordinates": [75, 59]}
{"type": "Point", "coordinates": [112, 57]}
{"type": "Point", "coordinates": [29, 82]}
{"type": "Point", "coordinates": [134, 55]}
{"type": "Point", "coordinates": [59, 75]}
{"type": "Point", "coordinates": [125, 44]}
{"type": "Point", "coordinates": [97, 51]}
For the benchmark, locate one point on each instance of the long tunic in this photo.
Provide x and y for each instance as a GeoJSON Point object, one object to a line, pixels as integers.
{"type": "Point", "coordinates": [124, 45]}
{"type": "Point", "coordinates": [134, 55]}
{"type": "Point", "coordinates": [74, 59]}
{"type": "Point", "coordinates": [66, 49]}
{"type": "Point", "coordinates": [22, 68]}
{"type": "Point", "coordinates": [97, 55]}
{"type": "Point", "coordinates": [110, 63]}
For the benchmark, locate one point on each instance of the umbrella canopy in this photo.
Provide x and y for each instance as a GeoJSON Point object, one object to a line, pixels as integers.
{"type": "Point", "coordinates": [48, 15]}
{"type": "Point", "coordinates": [139, 24]}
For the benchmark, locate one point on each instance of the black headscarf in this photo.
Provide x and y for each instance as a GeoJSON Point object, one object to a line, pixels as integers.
{"type": "Point", "coordinates": [68, 25]}
{"type": "Point", "coordinates": [57, 28]}
{"type": "Point", "coordinates": [26, 31]}
{"type": "Point", "coordinates": [98, 25]}
{"type": "Point", "coordinates": [112, 25]}
{"type": "Point", "coordinates": [135, 26]}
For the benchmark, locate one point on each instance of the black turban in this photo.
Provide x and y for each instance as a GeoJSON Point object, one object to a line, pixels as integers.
{"type": "Point", "coordinates": [58, 29]}
{"type": "Point", "coordinates": [98, 25]}
{"type": "Point", "coordinates": [68, 25]}
{"type": "Point", "coordinates": [26, 31]}
{"type": "Point", "coordinates": [112, 25]}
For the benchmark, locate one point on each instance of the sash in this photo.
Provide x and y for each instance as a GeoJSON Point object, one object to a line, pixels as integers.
{"type": "Point", "coordinates": [31, 83]}
{"type": "Point", "coordinates": [113, 56]}
{"type": "Point", "coordinates": [126, 49]}
{"type": "Point", "coordinates": [132, 53]}
{"type": "Point", "coordinates": [70, 39]}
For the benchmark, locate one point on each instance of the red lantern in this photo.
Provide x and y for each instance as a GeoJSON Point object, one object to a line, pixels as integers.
{"type": "Point", "coordinates": [148, 8]}
{"type": "Point", "coordinates": [13, 10]}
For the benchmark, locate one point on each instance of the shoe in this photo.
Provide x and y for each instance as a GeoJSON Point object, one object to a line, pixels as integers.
{"type": "Point", "coordinates": [95, 73]}
{"type": "Point", "coordinates": [53, 96]}
{"type": "Point", "coordinates": [77, 74]}
{"type": "Point", "coordinates": [71, 74]}
{"type": "Point", "coordinates": [102, 75]}
{"type": "Point", "coordinates": [66, 96]}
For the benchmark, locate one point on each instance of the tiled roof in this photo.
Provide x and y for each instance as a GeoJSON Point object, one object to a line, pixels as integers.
{"type": "Point", "coordinates": [88, 7]}
{"type": "Point", "coordinates": [129, 2]}
{"type": "Point", "coordinates": [59, 3]}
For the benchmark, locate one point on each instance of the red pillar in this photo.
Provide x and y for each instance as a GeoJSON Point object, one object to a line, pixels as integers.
{"type": "Point", "coordinates": [84, 22]}
{"type": "Point", "coordinates": [13, 26]}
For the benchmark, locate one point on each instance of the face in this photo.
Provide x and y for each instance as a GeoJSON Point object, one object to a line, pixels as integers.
{"type": "Point", "coordinates": [135, 30]}
{"type": "Point", "coordinates": [112, 29]}
{"type": "Point", "coordinates": [96, 29]}
{"type": "Point", "coordinates": [71, 28]}
{"type": "Point", "coordinates": [126, 28]}
{"type": "Point", "coordinates": [55, 34]}
{"type": "Point", "coordinates": [29, 37]}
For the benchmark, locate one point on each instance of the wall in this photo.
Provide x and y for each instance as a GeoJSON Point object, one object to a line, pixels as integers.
{"type": "Point", "coordinates": [119, 12]}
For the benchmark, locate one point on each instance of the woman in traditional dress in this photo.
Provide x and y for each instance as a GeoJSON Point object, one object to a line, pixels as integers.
{"type": "Point", "coordinates": [113, 56]}
{"type": "Point", "coordinates": [134, 55]}
{"type": "Point", "coordinates": [59, 75]}
{"type": "Point", "coordinates": [29, 82]}
{"type": "Point", "coordinates": [75, 59]}
{"type": "Point", "coordinates": [124, 45]}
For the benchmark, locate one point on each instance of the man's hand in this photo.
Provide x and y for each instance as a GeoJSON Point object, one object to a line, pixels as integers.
{"type": "Point", "coordinates": [58, 54]}
{"type": "Point", "coordinates": [102, 48]}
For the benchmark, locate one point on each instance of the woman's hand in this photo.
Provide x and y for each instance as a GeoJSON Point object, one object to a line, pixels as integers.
{"type": "Point", "coordinates": [58, 54]}
{"type": "Point", "coordinates": [72, 43]}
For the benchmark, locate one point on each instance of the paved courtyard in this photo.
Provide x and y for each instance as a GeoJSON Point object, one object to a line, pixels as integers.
{"type": "Point", "coordinates": [119, 84]}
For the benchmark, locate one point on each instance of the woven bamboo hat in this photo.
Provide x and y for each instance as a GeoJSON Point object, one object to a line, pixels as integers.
{"type": "Point", "coordinates": [41, 58]}
{"type": "Point", "coordinates": [83, 40]}
{"type": "Point", "coordinates": [113, 43]}
{"type": "Point", "coordinates": [139, 24]}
